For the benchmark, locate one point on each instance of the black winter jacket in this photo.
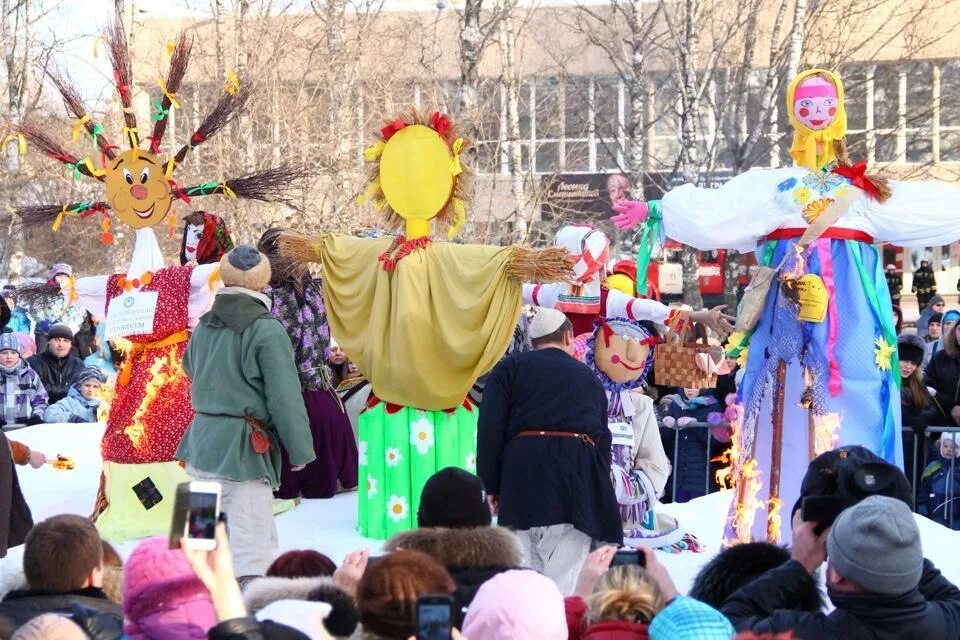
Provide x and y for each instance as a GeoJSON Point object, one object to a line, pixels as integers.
{"type": "Point", "coordinates": [943, 374]}
{"type": "Point", "coordinates": [90, 608]}
{"type": "Point", "coordinates": [932, 610]}
{"type": "Point", "coordinates": [57, 374]}
{"type": "Point", "coordinates": [252, 629]}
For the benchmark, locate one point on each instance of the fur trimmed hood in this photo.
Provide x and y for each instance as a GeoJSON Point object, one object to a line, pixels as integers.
{"type": "Point", "coordinates": [261, 592]}
{"type": "Point", "coordinates": [479, 547]}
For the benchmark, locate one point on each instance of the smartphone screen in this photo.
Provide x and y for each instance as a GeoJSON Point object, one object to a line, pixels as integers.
{"type": "Point", "coordinates": [434, 618]}
{"type": "Point", "coordinates": [202, 516]}
{"type": "Point", "coordinates": [628, 556]}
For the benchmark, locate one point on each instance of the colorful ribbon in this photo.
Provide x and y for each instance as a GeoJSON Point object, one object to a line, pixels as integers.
{"type": "Point", "coordinates": [371, 154]}
{"type": "Point", "coordinates": [649, 238]}
{"type": "Point", "coordinates": [826, 272]}
{"type": "Point", "coordinates": [96, 44]}
{"type": "Point", "coordinates": [857, 175]}
{"type": "Point", "coordinates": [170, 166]}
{"type": "Point", "coordinates": [132, 134]}
{"type": "Point", "coordinates": [79, 125]}
{"type": "Point", "coordinates": [392, 128]}
{"type": "Point", "coordinates": [169, 95]}
{"type": "Point", "coordinates": [232, 85]}
{"type": "Point", "coordinates": [227, 191]}
{"type": "Point", "coordinates": [159, 112]}
{"type": "Point", "coordinates": [21, 142]}
{"type": "Point", "coordinates": [455, 167]}
{"type": "Point", "coordinates": [440, 123]}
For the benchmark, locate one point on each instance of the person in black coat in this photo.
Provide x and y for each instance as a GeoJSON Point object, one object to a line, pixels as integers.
{"type": "Point", "coordinates": [544, 452]}
{"type": "Point", "coordinates": [877, 578]}
{"type": "Point", "coordinates": [58, 370]}
{"type": "Point", "coordinates": [63, 563]}
{"type": "Point", "coordinates": [15, 517]}
{"type": "Point", "coordinates": [943, 376]}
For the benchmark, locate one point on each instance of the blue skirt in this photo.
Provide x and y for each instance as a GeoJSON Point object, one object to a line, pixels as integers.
{"type": "Point", "coordinates": [832, 370]}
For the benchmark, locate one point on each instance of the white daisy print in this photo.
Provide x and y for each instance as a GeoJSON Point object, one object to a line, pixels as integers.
{"type": "Point", "coordinates": [362, 451]}
{"type": "Point", "coordinates": [421, 435]}
{"type": "Point", "coordinates": [397, 508]}
{"type": "Point", "coordinates": [471, 462]}
{"type": "Point", "coordinates": [393, 457]}
{"type": "Point", "coordinates": [371, 486]}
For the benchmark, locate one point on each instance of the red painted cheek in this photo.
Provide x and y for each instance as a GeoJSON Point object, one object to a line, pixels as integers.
{"type": "Point", "coordinates": [614, 358]}
{"type": "Point", "coordinates": [832, 111]}
{"type": "Point", "coordinates": [804, 112]}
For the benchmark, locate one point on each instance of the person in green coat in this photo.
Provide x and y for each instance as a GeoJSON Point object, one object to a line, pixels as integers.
{"type": "Point", "coordinates": [246, 394]}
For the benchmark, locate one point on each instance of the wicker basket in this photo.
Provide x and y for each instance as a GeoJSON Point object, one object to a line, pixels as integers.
{"type": "Point", "coordinates": [675, 359]}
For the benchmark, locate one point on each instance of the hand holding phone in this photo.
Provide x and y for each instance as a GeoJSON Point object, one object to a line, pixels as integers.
{"type": "Point", "coordinates": [196, 511]}
{"type": "Point", "coordinates": [628, 557]}
{"type": "Point", "coordinates": [435, 617]}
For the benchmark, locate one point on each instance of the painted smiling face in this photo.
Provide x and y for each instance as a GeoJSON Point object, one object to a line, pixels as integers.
{"type": "Point", "coordinates": [137, 191]}
{"type": "Point", "coordinates": [815, 103]}
{"type": "Point", "coordinates": [621, 351]}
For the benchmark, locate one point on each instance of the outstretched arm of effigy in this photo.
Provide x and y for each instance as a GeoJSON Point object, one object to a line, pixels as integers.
{"type": "Point", "coordinates": [300, 247]}
{"type": "Point", "coordinates": [918, 213]}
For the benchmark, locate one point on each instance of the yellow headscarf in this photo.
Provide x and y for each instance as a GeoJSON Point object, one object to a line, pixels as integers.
{"type": "Point", "coordinates": [804, 147]}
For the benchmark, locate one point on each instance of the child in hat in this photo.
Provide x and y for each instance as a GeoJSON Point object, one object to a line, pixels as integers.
{"type": "Point", "coordinates": [940, 485]}
{"type": "Point", "coordinates": [82, 401]}
{"type": "Point", "coordinates": [23, 397]}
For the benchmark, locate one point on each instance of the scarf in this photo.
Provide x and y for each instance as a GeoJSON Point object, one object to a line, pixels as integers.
{"type": "Point", "coordinates": [804, 147]}
{"type": "Point", "coordinates": [619, 400]}
{"type": "Point", "coordinates": [214, 242]}
{"type": "Point", "coordinates": [11, 390]}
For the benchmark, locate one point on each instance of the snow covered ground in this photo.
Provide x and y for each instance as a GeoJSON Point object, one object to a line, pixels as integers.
{"type": "Point", "coordinates": [329, 525]}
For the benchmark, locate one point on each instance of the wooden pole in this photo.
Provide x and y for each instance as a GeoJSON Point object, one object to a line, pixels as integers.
{"type": "Point", "coordinates": [776, 440]}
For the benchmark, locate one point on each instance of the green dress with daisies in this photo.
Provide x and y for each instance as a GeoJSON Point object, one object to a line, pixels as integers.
{"type": "Point", "coordinates": [400, 448]}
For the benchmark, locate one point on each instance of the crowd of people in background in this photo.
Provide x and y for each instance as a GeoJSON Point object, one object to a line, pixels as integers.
{"type": "Point", "coordinates": [522, 579]}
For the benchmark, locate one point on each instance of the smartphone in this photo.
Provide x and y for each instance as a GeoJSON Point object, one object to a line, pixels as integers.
{"type": "Point", "coordinates": [821, 509]}
{"type": "Point", "coordinates": [435, 617]}
{"type": "Point", "coordinates": [196, 511]}
{"type": "Point", "coordinates": [628, 556]}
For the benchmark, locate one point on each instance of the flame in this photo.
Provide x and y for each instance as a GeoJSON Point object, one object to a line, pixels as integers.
{"type": "Point", "coordinates": [826, 432]}
{"type": "Point", "coordinates": [106, 395]}
{"type": "Point", "coordinates": [740, 471]}
{"type": "Point", "coordinates": [773, 519]}
{"type": "Point", "coordinates": [746, 510]}
{"type": "Point", "coordinates": [164, 370]}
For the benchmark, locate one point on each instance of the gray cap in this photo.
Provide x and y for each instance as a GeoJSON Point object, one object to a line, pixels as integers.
{"type": "Point", "coordinates": [876, 543]}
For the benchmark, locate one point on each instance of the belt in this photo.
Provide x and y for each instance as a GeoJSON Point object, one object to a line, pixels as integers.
{"type": "Point", "coordinates": [140, 349]}
{"type": "Point", "coordinates": [557, 434]}
{"type": "Point", "coordinates": [831, 233]}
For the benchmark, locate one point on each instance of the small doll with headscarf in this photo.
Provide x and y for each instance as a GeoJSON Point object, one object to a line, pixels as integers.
{"type": "Point", "coordinates": [619, 353]}
{"type": "Point", "coordinates": [205, 239]}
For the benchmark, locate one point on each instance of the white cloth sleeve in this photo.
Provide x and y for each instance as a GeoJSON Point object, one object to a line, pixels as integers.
{"type": "Point", "coordinates": [920, 213]}
{"type": "Point", "coordinates": [542, 295]}
{"type": "Point", "coordinates": [620, 305]}
{"type": "Point", "coordinates": [201, 291]}
{"type": "Point", "coordinates": [736, 215]}
{"type": "Point", "coordinates": [649, 456]}
{"type": "Point", "coordinates": [92, 295]}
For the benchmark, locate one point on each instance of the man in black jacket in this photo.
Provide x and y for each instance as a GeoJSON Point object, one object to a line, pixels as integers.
{"type": "Point", "coordinates": [877, 578]}
{"type": "Point", "coordinates": [63, 563]}
{"type": "Point", "coordinates": [544, 452]}
{"type": "Point", "coordinates": [57, 369]}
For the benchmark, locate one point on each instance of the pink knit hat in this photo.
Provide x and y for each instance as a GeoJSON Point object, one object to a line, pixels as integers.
{"type": "Point", "coordinates": [162, 597]}
{"type": "Point", "coordinates": [515, 605]}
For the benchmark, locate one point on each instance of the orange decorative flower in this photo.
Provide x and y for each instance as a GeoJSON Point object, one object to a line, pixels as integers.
{"type": "Point", "coordinates": [813, 210]}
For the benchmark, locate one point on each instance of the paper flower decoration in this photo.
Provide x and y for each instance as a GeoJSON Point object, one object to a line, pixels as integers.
{"type": "Point", "coordinates": [397, 508]}
{"type": "Point", "coordinates": [884, 354]}
{"type": "Point", "coordinates": [814, 209]}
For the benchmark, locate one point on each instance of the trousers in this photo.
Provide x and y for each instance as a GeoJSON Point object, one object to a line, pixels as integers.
{"type": "Point", "coordinates": [557, 551]}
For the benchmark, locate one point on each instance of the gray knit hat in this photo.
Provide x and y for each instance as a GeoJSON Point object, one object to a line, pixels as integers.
{"type": "Point", "coordinates": [876, 543]}
{"type": "Point", "coordinates": [9, 342]}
